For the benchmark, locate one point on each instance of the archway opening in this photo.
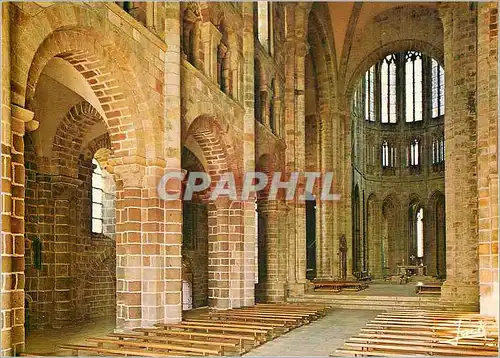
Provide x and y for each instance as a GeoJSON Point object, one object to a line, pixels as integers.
{"type": "Point", "coordinates": [194, 239]}
{"type": "Point", "coordinates": [310, 236]}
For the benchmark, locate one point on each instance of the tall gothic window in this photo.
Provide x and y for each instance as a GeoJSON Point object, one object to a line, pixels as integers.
{"type": "Point", "coordinates": [438, 150]}
{"type": "Point", "coordinates": [413, 86]}
{"type": "Point", "coordinates": [264, 25]}
{"type": "Point", "coordinates": [370, 95]}
{"type": "Point", "coordinates": [437, 91]}
{"type": "Point", "coordinates": [405, 86]}
{"type": "Point", "coordinates": [385, 154]}
{"type": "Point", "coordinates": [97, 196]}
{"type": "Point", "coordinates": [420, 233]}
{"type": "Point", "coordinates": [388, 90]}
{"type": "Point", "coordinates": [414, 153]}
{"type": "Point", "coordinates": [388, 155]}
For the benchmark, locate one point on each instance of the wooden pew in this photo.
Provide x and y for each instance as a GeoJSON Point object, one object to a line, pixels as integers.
{"type": "Point", "coordinates": [275, 328]}
{"type": "Point", "coordinates": [426, 325]}
{"type": "Point", "coordinates": [240, 338]}
{"type": "Point", "coordinates": [419, 333]}
{"type": "Point", "coordinates": [492, 338]}
{"type": "Point", "coordinates": [178, 349]}
{"type": "Point", "coordinates": [426, 350]}
{"type": "Point", "coordinates": [289, 323]}
{"type": "Point", "coordinates": [213, 323]}
{"type": "Point", "coordinates": [488, 342]}
{"type": "Point", "coordinates": [430, 344]}
{"type": "Point", "coordinates": [272, 318]}
{"type": "Point", "coordinates": [428, 288]}
{"type": "Point", "coordinates": [223, 346]}
{"type": "Point", "coordinates": [310, 316]}
{"type": "Point", "coordinates": [76, 348]}
{"type": "Point", "coordinates": [341, 285]}
{"type": "Point", "coordinates": [259, 334]}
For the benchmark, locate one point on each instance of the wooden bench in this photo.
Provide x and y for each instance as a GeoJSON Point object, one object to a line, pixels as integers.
{"type": "Point", "coordinates": [419, 333]}
{"type": "Point", "coordinates": [267, 317]}
{"type": "Point", "coordinates": [428, 288]}
{"type": "Point", "coordinates": [427, 325]}
{"type": "Point", "coordinates": [276, 327]}
{"type": "Point", "coordinates": [76, 348]}
{"type": "Point", "coordinates": [403, 348]}
{"type": "Point", "coordinates": [178, 349]}
{"type": "Point", "coordinates": [290, 323]}
{"type": "Point", "coordinates": [259, 334]}
{"type": "Point", "coordinates": [214, 323]}
{"type": "Point", "coordinates": [425, 333]}
{"type": "Point", "coordinates": [240, 338]}
{"type": "Point", "coordinates": [427, 343]}
{"type": "Point", "coordinates": [362, 275]}
{"type": "Point", "coordinates": [488, 342]}
{"type": "Point", "coordinates": [341, 285]}
{"type": "Point", "coordinates": [282, 313]}
{"type": "Point", "coordinates": [223, 346]}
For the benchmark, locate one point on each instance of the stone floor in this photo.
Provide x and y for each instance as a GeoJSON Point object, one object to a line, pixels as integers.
{"type": "Point", "coordinates": [46, 341]}
{"type": "Point", "coordinates": [319, 338]}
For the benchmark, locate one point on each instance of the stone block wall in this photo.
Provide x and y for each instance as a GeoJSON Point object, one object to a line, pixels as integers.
{"type": "Point", "coordinates": [487, 150]}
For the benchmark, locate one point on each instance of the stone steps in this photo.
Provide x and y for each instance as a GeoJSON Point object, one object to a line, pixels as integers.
{"type": "Point", "coordinates": [385, 302]}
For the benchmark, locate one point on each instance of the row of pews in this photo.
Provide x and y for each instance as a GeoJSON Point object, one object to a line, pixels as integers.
{"type": "Point", "coordinates": [338, 286]}
{"type": "Point", "coordinates": [407, 333]}
{"type": "Point", "coordinates": [216, 333]}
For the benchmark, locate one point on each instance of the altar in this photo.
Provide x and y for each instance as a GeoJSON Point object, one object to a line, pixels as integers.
{"type": "Point", "coordinates": [412, 270]}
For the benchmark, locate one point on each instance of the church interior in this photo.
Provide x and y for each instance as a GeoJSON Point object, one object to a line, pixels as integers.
{"type": "Point", "coordinates": [399, 100]}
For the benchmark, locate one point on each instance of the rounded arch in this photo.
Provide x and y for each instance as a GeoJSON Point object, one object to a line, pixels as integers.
{"type": "Point", "coordinates": [436, 233]}
{"type": "Point", "coordinates": [397, 29]}
{"type": "Point", "coordinates": [96, 50]}
{"type": "Point", "coordinates": [69, 136]}
{"type": "Point", "coordinates": [389, 48]}
{"type": "Point", "coordinates": [373, 239]}
{"type": "Point", "coordinates": [215, 144]}
{"type": "Point", "coordinates": [393, 244]}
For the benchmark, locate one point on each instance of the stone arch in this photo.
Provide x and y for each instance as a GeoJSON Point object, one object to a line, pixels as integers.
{"type": "Point", "coordinates": [79, 37]}
{"type": "Point", "coordinates": [396, 29]}
{"type": "Point", "coordinates": [216, 146]}
{"type": "Point", "coordinates": [373, 239]}
{"type": "Point", "coordinates": [101, 143]}
{"type": "Point", "coordinates": [393, 246]}
{"type": "Point", "coordinates": [225, 217]}
{"type": "Point", "coordinates": [69, 136]}
{"type": "Point", "coordinates": [435, 229]}
{"type": "Point", "coordinates": [414, 204]}
{"type": "Point", "coordinates": [386, 49]}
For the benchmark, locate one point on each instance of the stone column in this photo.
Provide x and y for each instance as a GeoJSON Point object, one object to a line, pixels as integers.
{"type": "Point", "coordinates": [15, 122]}
{"type": "Point", "coordinates": [460, 56]}
{"type": "Point", "coordinates": [65, 225]}
{"type": "Point", "coordinates": [173, 208]}
{"type": "Point", "coordinates": [247, 88]}
{"type": "Point", "coordinates": [12, 334]}
{"type": "Point", "coordinates": [301, 51]}
{"type": "Point", "coordinates": [210, 38]}
{"type": "Point", "coordinates": [487, 147]}
{"type": "Point", "coordinates": [271, 288]}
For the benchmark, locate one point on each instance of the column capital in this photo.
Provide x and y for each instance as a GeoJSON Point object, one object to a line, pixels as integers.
{"type": "Point", "coordinates": [302, 48]}
{"type": "Point", "coordinates": [26, 116]}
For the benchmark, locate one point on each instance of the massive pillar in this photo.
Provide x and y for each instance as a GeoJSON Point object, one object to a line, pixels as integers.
{"type": "Point", "coordinates": [487, 151]}
{"type": "Point", "coordinates": [460, 54]}
{"type": "Point", "coordinates": [249, 227]}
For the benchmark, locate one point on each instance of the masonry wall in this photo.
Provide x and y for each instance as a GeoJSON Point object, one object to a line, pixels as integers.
{"type": "Point", "coordinates": [487, 142]}
{"type": "Point", "coordinates": [70, 271]}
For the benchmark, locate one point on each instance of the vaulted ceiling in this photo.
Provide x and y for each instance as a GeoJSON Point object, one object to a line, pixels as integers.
{"type": "Point", "coordinates": [349, 19]}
